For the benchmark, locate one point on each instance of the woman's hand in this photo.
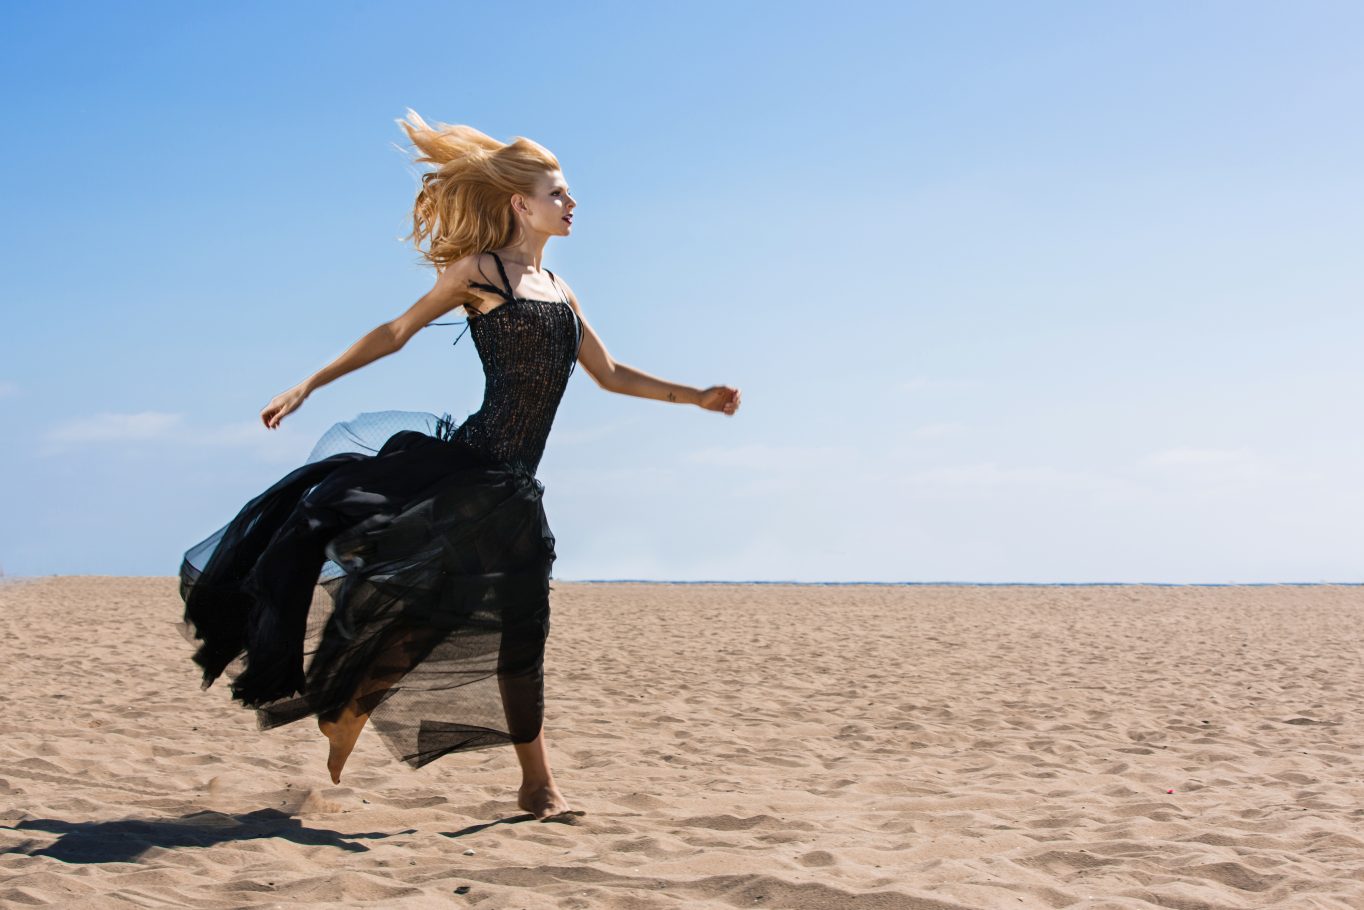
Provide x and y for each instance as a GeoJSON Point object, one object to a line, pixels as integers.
{"type": "Point", "coordinates": [281, 404]}
{"type": "Point", "coordinates": [720, 398]}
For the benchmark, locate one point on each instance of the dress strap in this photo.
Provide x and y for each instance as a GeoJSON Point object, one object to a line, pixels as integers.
{"type": "Point", "coordinates": [487, 287]}
{"type": "Point", "coordinates": [505, 294]}
{"type": "Point", "coordinates": [557, 287]}
{"type": "Point", "coordinates": [577, 323]}
{"type": "Point", "coordinates": [503, 272]}
{"type": "Point", "coordinates": [462, 331]}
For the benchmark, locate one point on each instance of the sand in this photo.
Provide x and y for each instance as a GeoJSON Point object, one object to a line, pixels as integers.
{"type": "Point", "coordinates": [733, 746]}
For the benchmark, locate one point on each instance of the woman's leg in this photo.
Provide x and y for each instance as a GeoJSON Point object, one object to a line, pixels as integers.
{"type": "Point", "coordinates": [521, 680]}
{"type": "Point", "coordinates": [522, 698]}
{"type": "Point", "coordinates": [402, 650]}
{"type": "Point", "coordinates": [538, 794]}
{"type": "Point", "coordinates": [341, 735]}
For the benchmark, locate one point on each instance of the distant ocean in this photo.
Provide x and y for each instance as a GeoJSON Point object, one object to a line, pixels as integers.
{"type": "Point", "coordinates": [986, 584]}
{"type": "Point", "coordinates": [848, 584]}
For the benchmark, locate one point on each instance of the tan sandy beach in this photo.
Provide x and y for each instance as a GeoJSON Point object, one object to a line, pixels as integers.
{"type": "Point", "coordinates": [733, 746]}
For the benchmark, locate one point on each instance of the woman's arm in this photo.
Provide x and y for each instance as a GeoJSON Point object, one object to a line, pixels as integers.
{"type": "Point", "coordinates": [624, 379]}
{"type": "Point", "coordinates": [448, 293]}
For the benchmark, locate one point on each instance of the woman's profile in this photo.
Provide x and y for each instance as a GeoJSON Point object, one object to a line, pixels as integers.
{"type": "Point", "coordinates": [400, 578]}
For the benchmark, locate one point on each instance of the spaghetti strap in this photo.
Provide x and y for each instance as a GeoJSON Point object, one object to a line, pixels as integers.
{"type": "Point", "coordinates": [505, 294]}
{"type": "Point", "coordinates": [577, 322]}
{"type": "Point", "coordinates": [557, 286]}
{"type": "Point", "coordinates": [503, 272]}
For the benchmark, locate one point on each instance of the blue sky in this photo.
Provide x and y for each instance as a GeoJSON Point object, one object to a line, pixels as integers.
{"type": "Point", "coordinates": [1014, 291]}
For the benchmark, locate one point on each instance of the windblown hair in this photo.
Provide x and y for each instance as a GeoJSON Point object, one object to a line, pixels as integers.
{"type": "Point", "coordinates": [464, 206]}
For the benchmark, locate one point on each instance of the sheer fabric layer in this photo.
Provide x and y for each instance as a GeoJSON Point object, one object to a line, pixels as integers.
{"type": "Point", "coordinates": [399, 566]}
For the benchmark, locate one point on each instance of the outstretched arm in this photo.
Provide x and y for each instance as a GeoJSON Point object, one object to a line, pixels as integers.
{"type": "Point", "coordinates": [624, 379]}
{"type": "Point", "coordinates": [379, 341]}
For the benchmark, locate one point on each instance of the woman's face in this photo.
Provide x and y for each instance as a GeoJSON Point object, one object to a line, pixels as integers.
{"type": "Point", "coordinates": [550, 209]}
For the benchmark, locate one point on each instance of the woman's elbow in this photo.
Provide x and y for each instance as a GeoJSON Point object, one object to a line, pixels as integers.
{"type": "Point", "coordinates": [606, 378]}
{"type": "Point", "coordinates": [396, 335]}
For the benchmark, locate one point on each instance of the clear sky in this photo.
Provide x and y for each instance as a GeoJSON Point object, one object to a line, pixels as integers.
{"type": "Point", "coordinates": [1044, 291]}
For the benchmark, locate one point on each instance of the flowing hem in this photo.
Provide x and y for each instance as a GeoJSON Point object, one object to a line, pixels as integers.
{"type": "Point", "coordinates": [409, 575]}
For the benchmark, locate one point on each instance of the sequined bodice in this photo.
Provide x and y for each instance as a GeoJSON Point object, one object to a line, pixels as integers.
{"type": "Point", "coordinates": [528, 349]}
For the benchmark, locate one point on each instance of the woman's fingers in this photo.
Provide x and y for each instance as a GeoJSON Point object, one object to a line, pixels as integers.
{"type": "Point", "coordinates": [724, 399]}
{"type": "Point", "coordinates": [271, 415]}
{"type": "Point", "coordinates": [282, 404]}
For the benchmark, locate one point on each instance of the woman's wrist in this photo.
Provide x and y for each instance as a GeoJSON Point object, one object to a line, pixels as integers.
{"type": "Point", "coordinates": [686, 395]}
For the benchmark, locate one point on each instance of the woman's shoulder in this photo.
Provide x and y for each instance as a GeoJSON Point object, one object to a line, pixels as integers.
{"type": "Point", "coordinates": [469, 267]}
{"type": "Point", "coordinates": [468, 271]}
{"type": "Point", "coordinates": [455, 280]}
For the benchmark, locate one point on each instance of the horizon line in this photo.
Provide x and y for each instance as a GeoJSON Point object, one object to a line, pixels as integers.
{"type": "Point", "coordinates": [720, 581]}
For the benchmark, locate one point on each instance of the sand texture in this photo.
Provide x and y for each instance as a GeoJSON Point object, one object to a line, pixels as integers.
{"type": "Point", "coordinates": [864, 747]}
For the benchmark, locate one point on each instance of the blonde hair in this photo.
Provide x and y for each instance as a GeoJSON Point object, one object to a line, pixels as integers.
{"type": "Point", "coordinates": [463, 205]}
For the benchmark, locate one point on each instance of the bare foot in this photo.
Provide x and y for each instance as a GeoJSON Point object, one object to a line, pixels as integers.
{"type": "Point", "coordinates": [342, 735]}
{"type": "Point", "coordinates": [543, 801]}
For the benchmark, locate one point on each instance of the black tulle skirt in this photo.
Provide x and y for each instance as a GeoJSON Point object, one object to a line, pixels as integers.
{"type": "Point", "coordinates": [397, 567]}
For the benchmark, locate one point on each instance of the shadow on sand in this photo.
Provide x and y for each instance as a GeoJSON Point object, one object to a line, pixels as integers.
{"type": "Point", "coordinates": [571, 817]}
{"type": "Point", "coordinates": [124, 840]}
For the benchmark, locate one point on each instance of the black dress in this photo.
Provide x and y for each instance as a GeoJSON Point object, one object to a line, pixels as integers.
{"type": "Point", "coordinates": [407, 562]}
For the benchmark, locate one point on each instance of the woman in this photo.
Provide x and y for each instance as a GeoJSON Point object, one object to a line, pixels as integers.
{"type": "Point", "coordinates": [430, 543]}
